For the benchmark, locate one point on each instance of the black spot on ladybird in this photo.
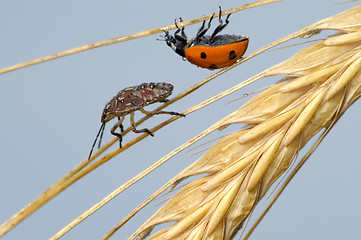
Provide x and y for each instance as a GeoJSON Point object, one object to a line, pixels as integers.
{"type": "Point", "coordinates": [213, 66]}
{"type": "Point", "coordinates": [203, 55]}
{"type": "Point", "coordinates": [232, 55]}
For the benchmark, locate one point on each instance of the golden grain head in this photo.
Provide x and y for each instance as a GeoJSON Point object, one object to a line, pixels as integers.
{"type": "Point", "coordinates": [241, 167]}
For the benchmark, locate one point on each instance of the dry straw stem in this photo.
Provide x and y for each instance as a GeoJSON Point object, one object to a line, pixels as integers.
{"type": "Point", "coordinates": [129, 37]}
{"type": "Point", "coordinates": [324, 80]}
{"type": "Point", "coordinates": [84, 167]}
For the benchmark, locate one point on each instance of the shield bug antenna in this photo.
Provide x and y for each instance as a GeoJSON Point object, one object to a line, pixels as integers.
{"type": "Point", "coordinates": [129, 100]}
{"type": "Point", "coordinates": [101, 129]}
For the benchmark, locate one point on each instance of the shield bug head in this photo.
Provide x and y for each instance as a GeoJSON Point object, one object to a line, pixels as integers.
{"type": "Point", "coordinates": [129, 100]}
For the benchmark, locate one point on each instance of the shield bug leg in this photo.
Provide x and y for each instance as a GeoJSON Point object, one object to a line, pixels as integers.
{"type": "Point", "coordinates": [121, 125]}
{"type": "Point", "coordinates": [118, 125]}
{"type": "Point", "coordinates": [160, 112]}
{"type": "Point", "coordinates": [146, 130]}
{"type": "Point", "coordinates": [170, 113]}
{"type": "Point", "coordinates": [129, 100]}
{"type": "Point", "coordinates": [220, 27]}
{"type": "Point", "coordinates": [101, 129]}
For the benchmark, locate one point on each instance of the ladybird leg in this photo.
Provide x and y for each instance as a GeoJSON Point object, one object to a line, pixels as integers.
{"type": "Point", "coordinates": [204, 29]}
{"type": "Point", "coordinates": [182, 30]}
{"type": "Point", "coordinates": [220, 27]}
{"type": "Point", "coordinates": [178, 29]}
{"type": "Point", "coordinates": [183, 36]}
{"type": "Point", "coordinates": [160, 112]}
{"type": "Point", "coordinates": [136, 130]}
{"type": "Point", "coordinates": [220, 20]}
{"type": "Point", "coordinates": [200, 30]}
{"type": "Point", "coordinates": [118, 125]}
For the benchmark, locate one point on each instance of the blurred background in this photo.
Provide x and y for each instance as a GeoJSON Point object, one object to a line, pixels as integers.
{"type": "Point", "coordinates": [50, 114]}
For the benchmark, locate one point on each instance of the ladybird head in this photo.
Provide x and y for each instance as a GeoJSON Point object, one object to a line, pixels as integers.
{"type": "Point", "coordinates": [178, 45]}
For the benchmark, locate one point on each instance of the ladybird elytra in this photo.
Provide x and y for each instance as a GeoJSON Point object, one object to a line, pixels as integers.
{"type": "Point", "coordinates": [219, 56]}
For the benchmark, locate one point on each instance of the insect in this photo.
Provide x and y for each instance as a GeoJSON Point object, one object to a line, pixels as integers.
{"type": "Point", "coordinates": [129, 100]}
{"type": "Point", "coordinates": [212, 52]}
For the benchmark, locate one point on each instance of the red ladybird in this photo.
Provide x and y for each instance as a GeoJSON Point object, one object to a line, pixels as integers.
{"type": "Point", "coordinates": [212, 52]}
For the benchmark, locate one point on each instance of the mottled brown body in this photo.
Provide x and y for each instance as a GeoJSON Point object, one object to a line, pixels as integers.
{"type": "Point", "coordinates": [129, 100]}
{"type": "Point", "coordinates": [133, 98]}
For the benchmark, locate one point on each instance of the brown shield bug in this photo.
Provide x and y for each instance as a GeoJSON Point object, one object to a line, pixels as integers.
{"type": "Point", "coordinates": [129, 100]}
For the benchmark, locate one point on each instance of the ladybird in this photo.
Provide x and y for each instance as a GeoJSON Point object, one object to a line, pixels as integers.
{"type": "Point", "coordinates": [211, 52]}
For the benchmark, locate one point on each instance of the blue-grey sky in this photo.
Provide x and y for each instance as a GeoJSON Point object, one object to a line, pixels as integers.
{"type": "Point", "coordinates": [51, 114]}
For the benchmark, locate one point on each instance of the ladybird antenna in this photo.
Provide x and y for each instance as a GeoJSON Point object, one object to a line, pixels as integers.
{"type": "Point", "coordinates": [101, 129]}
{"type": "Point", "coordinates": [166, 33]}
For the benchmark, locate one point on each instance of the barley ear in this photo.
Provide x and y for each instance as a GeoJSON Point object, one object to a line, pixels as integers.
{"type": "Point", "coordinates": [242, 166]}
